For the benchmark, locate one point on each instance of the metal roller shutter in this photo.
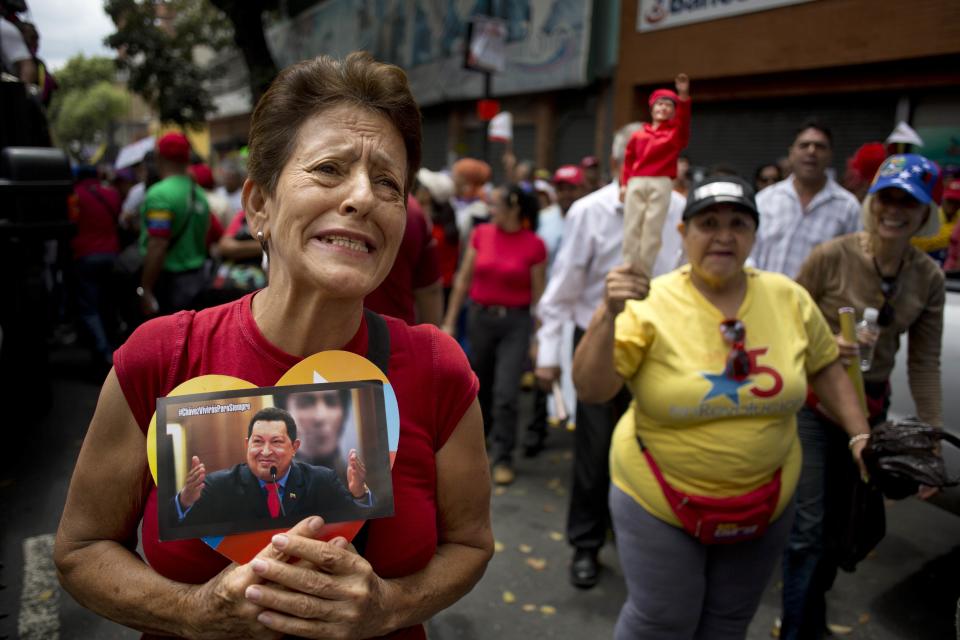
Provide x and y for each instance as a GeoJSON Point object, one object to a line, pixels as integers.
{"type": "Point", "coordinates": [746, 134]}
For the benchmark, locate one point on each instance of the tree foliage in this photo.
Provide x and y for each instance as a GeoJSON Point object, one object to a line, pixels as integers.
{"type": "Point", "coordinates": [87, 101]}
{"type": "Point", "coordinates": [81, 72]}
{"type": "Point", "coordinates": [86, 114]}
{"type": "Point", "coordinates": [247, 19]}
{"type": "Point", "coordinates": [157, 41]}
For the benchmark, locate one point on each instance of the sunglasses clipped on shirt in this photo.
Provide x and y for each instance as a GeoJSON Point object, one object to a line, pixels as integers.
{"type": "Point", "coordinates": [888, 288]}
{"type": "Point", "coordinates": [738, 360]}
{"type": "Point", "coordinates": [886, 314]}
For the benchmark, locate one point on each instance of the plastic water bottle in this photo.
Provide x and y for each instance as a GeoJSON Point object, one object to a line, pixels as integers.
{"type": "Point", "coordinates": [867, 333]}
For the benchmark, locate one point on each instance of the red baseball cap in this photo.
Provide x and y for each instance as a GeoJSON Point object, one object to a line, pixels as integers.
{"type": "Point", "coordinates": [570, 174]}
{"type": "Point", "coordinates": [202, 174]}
{"type": "Point", "coordinates": [174, 146]}
{"type": "Point", "coordinates": [951, 189]}
{"type": "Point", "coordinates": [665, 94]}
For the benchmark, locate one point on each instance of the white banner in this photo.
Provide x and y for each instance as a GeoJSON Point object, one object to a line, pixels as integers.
{"type": "Point", "coordinates": [501, 127]}
{"type": "Point", "coordinates": [663, 14]}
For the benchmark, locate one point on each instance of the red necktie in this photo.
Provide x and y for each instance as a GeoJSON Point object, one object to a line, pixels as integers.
{"type": "Point", "coordinates": [273, 499]}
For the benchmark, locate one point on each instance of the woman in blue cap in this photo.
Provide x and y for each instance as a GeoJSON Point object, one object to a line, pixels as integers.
{"type": "Point", "coordinates": [875, 268]}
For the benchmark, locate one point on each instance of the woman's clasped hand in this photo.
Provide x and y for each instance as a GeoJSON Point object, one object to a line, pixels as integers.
{"type": "Point", "coordinates": [328, 592]}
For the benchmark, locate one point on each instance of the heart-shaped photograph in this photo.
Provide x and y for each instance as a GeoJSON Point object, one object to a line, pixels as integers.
{"type": "Point", "coordinates": [235, 464]}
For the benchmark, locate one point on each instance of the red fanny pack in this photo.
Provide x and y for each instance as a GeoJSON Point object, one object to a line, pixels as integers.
{"type": "Point", "coordinates": [721, 520]}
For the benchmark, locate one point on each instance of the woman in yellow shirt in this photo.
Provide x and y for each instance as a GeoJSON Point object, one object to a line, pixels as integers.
{"type": "Point", "coordinates": [704, 464]}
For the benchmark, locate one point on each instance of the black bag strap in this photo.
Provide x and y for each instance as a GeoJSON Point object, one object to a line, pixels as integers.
{"type": "Point", "coordinates": [378, 352]}
{"type": "Point", "coordinates": [949, 437]}
{"type": "Point", "coordinates": [378, 341]}
{"type": "Point", "coordinates": [103, 201]}
{"type": "Point", "coordinates": [191, 198]}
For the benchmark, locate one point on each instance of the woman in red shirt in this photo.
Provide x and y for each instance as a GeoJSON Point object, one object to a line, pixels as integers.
{"type": "Point", "coordinates": [334, 147]}
{"type": "Point", "coordinates": [504, 270]}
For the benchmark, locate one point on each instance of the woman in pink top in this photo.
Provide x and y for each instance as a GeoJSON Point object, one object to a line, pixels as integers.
{"type": "Point", "coordinates": [504, 270]}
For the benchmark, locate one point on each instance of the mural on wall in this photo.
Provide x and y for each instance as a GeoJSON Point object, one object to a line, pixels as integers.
{"type": "Point", "coordinates": [547, 44]}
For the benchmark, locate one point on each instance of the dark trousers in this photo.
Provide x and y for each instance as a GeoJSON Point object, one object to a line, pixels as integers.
{"type": "Point", "coordinates": [589, 516]}
{"type": "Point", "coordinates": [176, 291]}
{"type": "Point", "coordinates": [499, 343]}
{"type": "Point", "coordinates": [95, 307]}
{"type": "Point", "coordinates": [809, 559]}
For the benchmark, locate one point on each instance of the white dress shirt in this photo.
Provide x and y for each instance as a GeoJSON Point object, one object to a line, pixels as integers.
{"type": "Point", "coordinates": [12, 47]}
{"type": "Point", "coordinates": [550, 230]}
{"type": "Point", "coordinates": [787, 234]}
{"type": "Point", "coordinates": [590, 248]}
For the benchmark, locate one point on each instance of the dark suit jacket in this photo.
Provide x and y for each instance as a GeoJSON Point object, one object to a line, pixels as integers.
{"type": "Point", "coordinates": [235, 495]}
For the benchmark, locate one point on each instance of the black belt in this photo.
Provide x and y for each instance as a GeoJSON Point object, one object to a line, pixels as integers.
{"type": "Point", "coordinates": [500, 310]}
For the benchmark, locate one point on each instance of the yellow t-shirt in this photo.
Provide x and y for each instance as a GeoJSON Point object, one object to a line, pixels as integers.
{"type": "Point", "coordinates": [711, 435]}
{"type": "Point", "coordinates": [939, 242]}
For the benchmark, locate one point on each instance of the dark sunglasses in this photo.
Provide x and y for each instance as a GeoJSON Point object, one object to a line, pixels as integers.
{"type": "Point", "coordinates": [738, 361]}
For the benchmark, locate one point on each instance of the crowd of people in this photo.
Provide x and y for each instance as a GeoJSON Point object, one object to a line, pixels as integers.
{"type": "Point", "coordinates": [714, 447]}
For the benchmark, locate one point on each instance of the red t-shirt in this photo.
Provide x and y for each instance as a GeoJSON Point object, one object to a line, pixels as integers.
{"type": "Point", "coordinates": [415, 267]}
{"type": "Point", "coordinates": [654, 152]}
{"type": "Point", "coordinates": [501, 270]}
{"type": "Point", "coordinates": [424, 364]}
{"type": "Point", "coordinates": [447, 255]}
{"type": "Point", "coordinates": [98, 208]}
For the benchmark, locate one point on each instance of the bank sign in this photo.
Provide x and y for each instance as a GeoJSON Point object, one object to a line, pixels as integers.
{"type": "Point", "coordinates": [663, 14]}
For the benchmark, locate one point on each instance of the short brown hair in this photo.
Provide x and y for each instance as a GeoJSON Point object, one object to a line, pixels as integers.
{"type": "Point", "coordinates": [306, 88]}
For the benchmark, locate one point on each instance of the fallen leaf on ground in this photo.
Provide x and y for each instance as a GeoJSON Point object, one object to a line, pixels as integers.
{"type": "Point", "coordinates": [549, 508]}
{"type": "Point", "coordinates": [525, 548]}
{"type": "Point", "coordinates": [498, 546]}
{"type": "Point", "coordinates": [529, 608]}
{"type": "Point", "coordinates": [508, 597]}
{"type": "Point", "coordinates": [839, 629]}
{"type": "Point", "coordinates": [537, 563]}
{"type": "Point", "coordinates": [499, 491]}
{"type": "Point", "coordinates": [547, 610]}
{"type": "Point", "coordinates": [864, 618]}
{"type": "Point", "coordinates": [46, 595]}
{"type": "Point", "coordinates": [554, 483]}
{"type": "Point", "coordinates": [567, 455]}
{"type": "Point", "coordinates": [556, 536]}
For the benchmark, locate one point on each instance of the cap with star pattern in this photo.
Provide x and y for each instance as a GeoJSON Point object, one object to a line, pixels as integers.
{"type": "Point", "coordinates": [910, 172]}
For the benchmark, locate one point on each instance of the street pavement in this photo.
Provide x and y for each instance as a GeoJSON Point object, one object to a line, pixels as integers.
{"type": "Point", "coordinates": [906, 590]}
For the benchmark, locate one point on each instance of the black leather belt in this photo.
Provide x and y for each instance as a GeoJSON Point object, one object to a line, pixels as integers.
{"type": "Point", "coordinates": [500, 311]}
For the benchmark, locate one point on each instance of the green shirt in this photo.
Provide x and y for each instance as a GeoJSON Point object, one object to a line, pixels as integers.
{"type": "Point", "coordinates": [169, 211]}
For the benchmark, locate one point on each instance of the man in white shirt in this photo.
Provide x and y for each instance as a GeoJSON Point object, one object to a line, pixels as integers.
{"type": "Point", "coordinates": [16, 56]}
{"type": "Point", "coordinates": [805, 209]}
{"type": "Point", "coordinates": [591, 247]}
{"type": "Point", "coordinates": [232, 176]}
{"type": "Point", "coordinates": [797, 214]}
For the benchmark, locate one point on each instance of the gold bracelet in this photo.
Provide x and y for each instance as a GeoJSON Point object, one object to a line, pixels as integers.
{"type": "Point", "coordinates": [857, 438]}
